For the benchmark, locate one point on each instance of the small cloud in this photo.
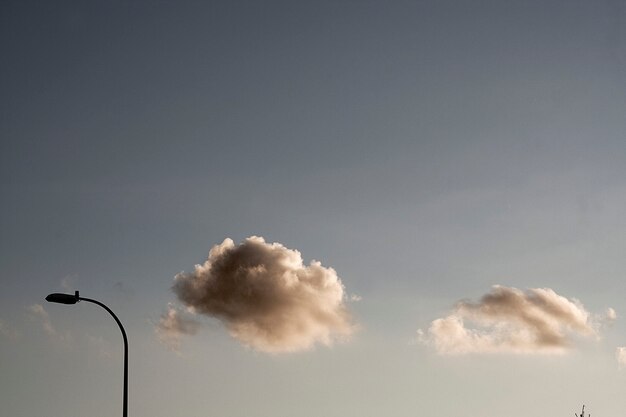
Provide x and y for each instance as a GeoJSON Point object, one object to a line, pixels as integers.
{"type": "Point", "coordinates": [355, 298]}
{"type": "Point", "coordinates": [266, 297]}
{"type": "Point", "coordinates": [68, 283]}
{"type": "Point", "coordinates": [39, 314]}
{"type": "Point", "coordinates": [172, 326]}
{"type": "Point", "coordinates": [610, 314]}
{"type": "Point", "coordinates": [620, 355]}
{"type": "Point", "coordinates": [608, 318]}
{"type": "Point", "coordinates": [508, 320]}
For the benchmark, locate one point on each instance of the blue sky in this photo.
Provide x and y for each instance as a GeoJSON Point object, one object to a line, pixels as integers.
{"type": "Point", "coordinates": [425, 150]}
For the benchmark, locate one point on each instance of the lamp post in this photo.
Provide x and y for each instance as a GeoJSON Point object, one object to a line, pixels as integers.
{"type": "Point", "coordinates": [73, 299]}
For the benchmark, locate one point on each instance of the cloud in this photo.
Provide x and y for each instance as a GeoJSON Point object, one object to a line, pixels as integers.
{"type": "Point", "coordinates": [609, 317]}
{"type": "Point", "coordinates": [611, 314]}
{"type": "Point", "coordinates": [39, 314]}
{"type": "Point", "coordinates": [172, 326]}
{"type": "Point", "coordinates": [266, 297]}
{"type": "Point", "coordinates": [508, 320]}
{"type": "Point", "coordinates": [68, 283]}
{"type": "Point", "coordinates": [620, 354]}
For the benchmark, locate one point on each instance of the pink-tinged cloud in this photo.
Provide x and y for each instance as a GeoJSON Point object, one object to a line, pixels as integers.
{"type": "Point", "coordinates": [509, 320]}
{"type": "Point", "coordinates": [173, 325]}
{"type": "Point", "coordinates": [266, 297]}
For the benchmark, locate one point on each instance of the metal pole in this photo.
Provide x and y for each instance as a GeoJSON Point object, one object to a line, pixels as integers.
{"type": "Point", "coordinates": [119, 323]}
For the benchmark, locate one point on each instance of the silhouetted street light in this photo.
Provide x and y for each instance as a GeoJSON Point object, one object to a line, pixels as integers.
{"type": "Point", "coordinates": [73, 299]}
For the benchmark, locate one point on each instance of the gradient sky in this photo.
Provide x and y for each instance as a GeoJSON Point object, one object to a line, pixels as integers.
{"type": "Point", "coordinates": [425, 150]}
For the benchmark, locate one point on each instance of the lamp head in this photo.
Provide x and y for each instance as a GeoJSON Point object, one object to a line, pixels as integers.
{"type": "Point", "coordinates": [63, 298]}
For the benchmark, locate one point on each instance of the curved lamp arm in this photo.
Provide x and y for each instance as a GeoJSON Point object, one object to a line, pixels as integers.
{"type": "Point", "coordinates": [73, 299]}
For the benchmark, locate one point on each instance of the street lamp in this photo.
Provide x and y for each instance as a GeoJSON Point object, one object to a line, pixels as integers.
{"type": "Point", "coordinates": [73, 299]}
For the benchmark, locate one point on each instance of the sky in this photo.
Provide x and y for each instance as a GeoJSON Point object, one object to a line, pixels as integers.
{"type": "Point", "coordinates": [308, 209]}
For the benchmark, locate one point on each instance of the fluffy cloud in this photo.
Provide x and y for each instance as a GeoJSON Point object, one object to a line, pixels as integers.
{"type": "Point", "coordinates": [266, 297]}
{"type": "Point", "coordinates": [620, 354]}
{"type": "Point", "coordinates": [508, 320]}
{"type": "Point", "coordinates": [610, 316]}
{"type": "Point", "coordinates": [172, 326]}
